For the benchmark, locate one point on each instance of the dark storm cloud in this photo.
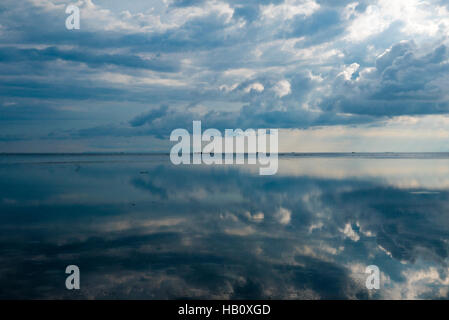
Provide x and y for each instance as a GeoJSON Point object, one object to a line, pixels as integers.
{"type": "Point", "coordinates": [149, 117]}
{"type": "Point", "coordinates": [14, 55]}
{"type": "Point", "coordinates": [402, 83]}
{"type": "Point", "coordinates": [322, 26]}
{"type": "Point", "coordinates": [186, 3]}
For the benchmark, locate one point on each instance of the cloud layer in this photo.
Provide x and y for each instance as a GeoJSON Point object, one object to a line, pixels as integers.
{"type": "Point", "coordinates": [148, 67]}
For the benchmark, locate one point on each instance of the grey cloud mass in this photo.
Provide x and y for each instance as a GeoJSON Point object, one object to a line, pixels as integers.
{"type": "Point", "coordinates": [292, 64]}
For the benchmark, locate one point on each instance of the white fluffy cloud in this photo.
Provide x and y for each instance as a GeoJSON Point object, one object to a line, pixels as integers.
{"type": "Point", "coordinates": [416, 17]}
{"type": "Point", "coordinates": [282, 88]}
{"type": "Point", "coordinates": [284, 216]}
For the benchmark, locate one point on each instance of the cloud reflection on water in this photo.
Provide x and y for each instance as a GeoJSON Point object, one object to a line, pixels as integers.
{"type": "Point", "coordinates": [148, 229]}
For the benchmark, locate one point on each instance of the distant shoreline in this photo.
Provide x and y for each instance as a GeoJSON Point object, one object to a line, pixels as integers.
{"type": "Point", "coordinates": [281, 154]}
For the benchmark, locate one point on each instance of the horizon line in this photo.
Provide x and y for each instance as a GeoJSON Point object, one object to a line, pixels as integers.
{"type": "Point", "coordinates": [245, 153]}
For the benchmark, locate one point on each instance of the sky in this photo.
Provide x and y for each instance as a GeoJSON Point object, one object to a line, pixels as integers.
{"type": "Point", "coordinates": [364, 76]}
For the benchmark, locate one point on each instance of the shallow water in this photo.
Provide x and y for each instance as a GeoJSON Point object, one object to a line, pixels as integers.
{"type": "Point", "coordinates": [139, 227]}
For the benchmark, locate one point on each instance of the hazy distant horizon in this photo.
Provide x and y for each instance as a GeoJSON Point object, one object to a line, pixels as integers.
{"type": "Point", "coordinates": [246, 153]}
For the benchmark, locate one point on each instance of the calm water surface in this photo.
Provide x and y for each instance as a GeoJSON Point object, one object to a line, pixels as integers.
{"type": "Point", "coordinates": [139, 227]}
